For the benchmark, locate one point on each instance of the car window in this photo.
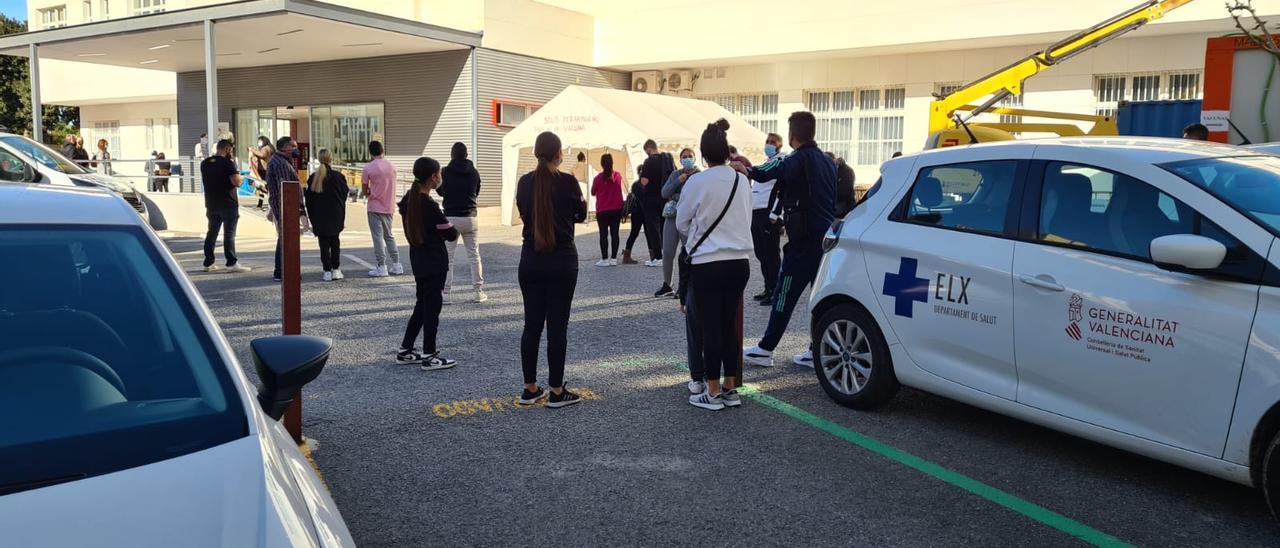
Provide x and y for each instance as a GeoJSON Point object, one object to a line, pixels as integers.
{"type": "Point", "coordinates": [1087, 207]}
{"type": "Point", "coordinates": [1250, 184]}
{"type": "Point", "coordinates": [43, 154]}
{"type": "Point", "coordinates": [13, 169]}
{"type": "Point", "coordinates": [103, 363]}
{"type": "Point", "coordinates": [972, 196]}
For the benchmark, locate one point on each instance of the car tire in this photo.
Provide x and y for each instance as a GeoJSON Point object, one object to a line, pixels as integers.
{"type": "Point", "coordinates": [859, 374]}
{"type": "Point", "coordinates": [1271, 475]}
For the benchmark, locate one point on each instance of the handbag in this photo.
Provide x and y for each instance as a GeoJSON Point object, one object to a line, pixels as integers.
{"type": "Point", "coordinates": [687, 259]}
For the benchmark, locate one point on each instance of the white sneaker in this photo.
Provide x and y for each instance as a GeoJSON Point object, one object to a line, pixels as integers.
{"type": "Point", "coordinates": [804, 359]}
{"type": "Point", "coordinates": [337, 274]}
{"type": "Point", "coordinates": [613, 262]}
{"type": "Point", "coordinates": [654, 262]}
{"type": "Point", "coordinates": [379, 272]}
{"type": "Point", "coordinates": [481, 296]}
{"type": "Point", "coordinates": [602, 262]}
{"type": "Point", "coordinates": [328, 276]}
{"type": "Point", "coordinates": [757, 356]}
{"type": "Point", "coordinates": [213, 268]}
{"type": "Point", "coordinates": [238, 268]}
{"type": "Point", "coordinates": [397, 269]}
{"type": "Point", "coordinates": [697, 387]}
{"type": "Point", "coordinates": [706, 401]}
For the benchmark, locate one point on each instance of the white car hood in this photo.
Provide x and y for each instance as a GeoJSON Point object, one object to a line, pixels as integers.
{"type": "Point", "coordinates": [230, 495]}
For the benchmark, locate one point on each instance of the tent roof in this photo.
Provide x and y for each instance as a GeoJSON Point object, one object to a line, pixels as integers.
{"type": "Point", "coordinates": [585, 117]}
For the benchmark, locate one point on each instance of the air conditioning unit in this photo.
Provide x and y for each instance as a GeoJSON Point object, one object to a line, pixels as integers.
{"type": "Point", "coordinates": [648, 81]}
{"type": "Point", "coordinates": [679, 82]}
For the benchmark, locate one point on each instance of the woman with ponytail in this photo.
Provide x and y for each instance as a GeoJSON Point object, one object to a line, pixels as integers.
{"type": "Point", "coordinates": [550, 202]}
{"type": "Point", "coordinates": [326, 201]}
{"type": "Point", "coordinates": [427, 230]}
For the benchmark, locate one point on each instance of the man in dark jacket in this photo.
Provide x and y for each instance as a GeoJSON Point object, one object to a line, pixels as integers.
{"type": "Point", "coordinates": [806, 188]}
{"type": "Point", "coordinates": [68, 146]}
{"type": "Point", "coordinates": [459, 190]}
{"type": "Point", "coordinates": [655, 171]}
{"type": "Point", "coordinates": [845, 190]}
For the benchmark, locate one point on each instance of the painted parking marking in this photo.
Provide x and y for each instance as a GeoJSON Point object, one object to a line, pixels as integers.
{"type": "Point", "coordinates": [358, 260]}
{"type": "Point", "coordinates": [496, 405]}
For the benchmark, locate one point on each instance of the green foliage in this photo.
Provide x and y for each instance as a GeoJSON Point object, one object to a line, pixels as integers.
{"type": "Point", "coordinates": [15, 96]}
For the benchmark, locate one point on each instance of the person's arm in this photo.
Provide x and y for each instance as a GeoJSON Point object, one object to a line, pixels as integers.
{"type": "Point", "coordinates": [579, 202]}
{"type": "Point", "coordinates": [343, 189]}
{"type": "Point", "coordinates": [476, 191]}
{"type": "Point", "coordinates": [672, 186]}
{"type": "Point", "coordinates": [687, 207]}
{"type": "Point", "coordinates": [595, 185]}
{"type": "Point", "coordinates": [436, 220]}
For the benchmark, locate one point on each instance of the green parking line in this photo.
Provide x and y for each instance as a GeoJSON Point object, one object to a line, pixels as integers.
{"type": "Point", "coordinates": [1028, 509]}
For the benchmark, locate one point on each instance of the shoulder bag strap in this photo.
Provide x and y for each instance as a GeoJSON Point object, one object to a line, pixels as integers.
{"type": "Point", "coordinates": [713, 226]}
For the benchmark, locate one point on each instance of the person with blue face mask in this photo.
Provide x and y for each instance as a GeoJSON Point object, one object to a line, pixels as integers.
{"type": "Point", "coordinates": [670, 237]}
{"type": "Point", "coordinates": [766, 232]}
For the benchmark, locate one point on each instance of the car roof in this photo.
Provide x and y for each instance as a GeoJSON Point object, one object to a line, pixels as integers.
{"type": "Point", "coordinates": [1152, 150]}
{"type": "Point", "coordinates": [1269, 148]}
{"type": "Point", "coordinates": [46, 204]}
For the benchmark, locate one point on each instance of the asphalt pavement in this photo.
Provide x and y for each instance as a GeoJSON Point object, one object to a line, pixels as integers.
{"type": "Point", "coordinates": [444, 458]}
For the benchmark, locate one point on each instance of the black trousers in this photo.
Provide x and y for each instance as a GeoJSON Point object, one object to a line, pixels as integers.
{"type": "Point", "coordinates": [717, 297]}
{"type": "Point", "coordinates": [653, 228]}
{"type": "Point", "coordinates": [548, 296]}
{"type": "Point", "coordinates": [225, 221]}
{"type": "Point", "coordinates": [330, 252]}
{"type": "Point", "coordinates": [609, 222]}
{"type": "Point", "coordinates": [426, 312]}
{"type": "Point", "coordinates": [637, 225]}
{"type": "Point", "coordinates": [766, 237]}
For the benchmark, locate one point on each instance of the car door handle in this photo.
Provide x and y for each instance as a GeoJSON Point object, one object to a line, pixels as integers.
{"type": "Point", "coordinates": [1046, 282]}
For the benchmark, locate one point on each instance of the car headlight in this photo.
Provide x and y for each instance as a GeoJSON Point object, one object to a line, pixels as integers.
{"type": "Point", "coordinates": [832, 237]}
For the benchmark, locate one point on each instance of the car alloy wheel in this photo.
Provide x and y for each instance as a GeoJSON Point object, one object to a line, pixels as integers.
{"type": "Point", "coordinates": [846, 358]}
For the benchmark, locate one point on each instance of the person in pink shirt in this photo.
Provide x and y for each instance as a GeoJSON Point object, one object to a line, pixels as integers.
{"type": "Point", "coordinates": [607, 188]}
{"type": "Point", "coordinates": [379, 179]}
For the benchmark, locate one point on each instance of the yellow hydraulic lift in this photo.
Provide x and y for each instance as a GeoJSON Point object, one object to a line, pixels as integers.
{"type": "Point", "coordinates": [948, 127]}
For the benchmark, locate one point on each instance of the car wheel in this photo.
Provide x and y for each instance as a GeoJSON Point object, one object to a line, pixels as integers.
{"type": "Point", "coordinates": [852, 359]}
{"type": "Point", "coordinates": [1271, 476]}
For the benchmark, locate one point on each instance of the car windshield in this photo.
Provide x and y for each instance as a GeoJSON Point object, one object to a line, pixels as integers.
{"type": "Point", "coordinates": [1250, 184]}
{"type": "Point", "coordinates": [104, 364]}
{"type": "Point", "coordinates": [43, 154]}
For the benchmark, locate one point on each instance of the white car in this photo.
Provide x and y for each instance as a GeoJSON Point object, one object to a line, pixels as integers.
{"type": "Point", "coordinates": [1122, 290]}
{"type": "Point", "coordinates": [125, 419]}
{"type": "Point", "coordinates": [1269, 148]}
{"type": "Point", "coordinates": [23, 160]}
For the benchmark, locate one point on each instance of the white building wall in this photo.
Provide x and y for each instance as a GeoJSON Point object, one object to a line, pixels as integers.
{"type": "Point", "coordinates": [131, 139]}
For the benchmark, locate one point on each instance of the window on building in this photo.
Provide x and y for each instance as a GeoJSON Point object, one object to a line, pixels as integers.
{"type": "Point", "coordinates": [511, 113]}
{"type": "Point", "coordinates": [143, 7]}
{"type": "Point", "coordinates": [158, 134]}
{"type": "Point", "coordinates": [52, 18]}
{"type": "Point", "coordinates": [86, 10]}
{"type": "Point", "coordinates": [104, 9]}
{"type": "Point", "coordinates": [1110, 90]}
{"type": "Point", "coordinates": [866, 125]}
{"type": "Point", "coordinates": [947, 88]}
{"type": "Point", "coordinates": [347, 129]}
{"type": "Point", "coordinates": [104, 129]}
{"type": "Point", "coordinates": [758, 109]}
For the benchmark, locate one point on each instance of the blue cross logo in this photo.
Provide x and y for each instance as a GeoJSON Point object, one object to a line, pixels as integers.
{"type": "Point", "coordinates": [905, 288]}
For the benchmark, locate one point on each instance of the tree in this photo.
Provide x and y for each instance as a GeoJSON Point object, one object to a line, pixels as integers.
{"type": "Point", "coordinates": [15, 96]}
{"type": "Point", "coordinates": [1252, 26]}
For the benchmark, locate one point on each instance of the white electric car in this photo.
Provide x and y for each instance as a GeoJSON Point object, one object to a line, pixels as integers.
{"type": "Point", "coordinates": [1122, 290]}
{"type": "Point", "coordinates": [125, 419]}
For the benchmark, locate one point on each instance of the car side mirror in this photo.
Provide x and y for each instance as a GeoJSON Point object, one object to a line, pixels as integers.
{"type": "Point", "coordinates": [285, 364]}
{"type": "Point", "coordinates": [1179, 252]}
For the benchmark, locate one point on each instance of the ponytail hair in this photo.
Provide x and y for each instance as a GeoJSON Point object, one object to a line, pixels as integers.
{"type": "Point", "coordinates": [715, 143]}
{"type": "Point", "coordinates": [606, 164]}
{"type": "Point", "coordinates": [546, 148]}
{"type": "Point", "coordinates": [322, 172]}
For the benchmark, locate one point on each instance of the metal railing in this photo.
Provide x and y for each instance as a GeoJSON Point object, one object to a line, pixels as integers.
{"type": "Point", "coordinates": [141, 173]}
{"type": "Point", "coordinates": [353, 173]}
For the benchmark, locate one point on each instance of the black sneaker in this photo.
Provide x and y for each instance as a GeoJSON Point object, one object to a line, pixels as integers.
{"type": "Point", "coordinates": [767, 300]}
{"type": "Point", "coordinates": [530, 398]}
{"type": "Point", "coordinates": [436, 362]}
{"type": "Point", "coordinates": [664, 292]}
{"type": "Point", "coordinates": [408, 356]}
{"type": "Point", "coordinates": [764, 295]}
{"type": "Point", "coordinates": [563, 399]}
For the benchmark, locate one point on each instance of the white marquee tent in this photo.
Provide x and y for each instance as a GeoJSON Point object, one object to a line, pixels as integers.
{"type": "Point", "coordinates": [596, 120]}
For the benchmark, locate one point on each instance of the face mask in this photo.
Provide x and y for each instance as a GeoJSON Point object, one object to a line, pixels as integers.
{"type": "Point", "coordinates": [687, 163]}
{"type": "Point", "coordinates": [770, 150]}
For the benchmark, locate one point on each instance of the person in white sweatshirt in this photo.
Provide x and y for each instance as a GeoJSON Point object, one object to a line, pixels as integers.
{"type": "Point", "coordinates": [714, 214]}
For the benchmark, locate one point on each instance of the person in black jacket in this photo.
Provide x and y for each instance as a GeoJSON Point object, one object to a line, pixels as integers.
{"type": "Point", "coordinates": [844, 186]}
{"type": "Point", "coordinates": [550, 202]}
{"type": "Point", "coordinates": [636, 211]}
{"type": "Point", "coordinates": [326, 201]}
{"type": "Point", "coordinates": [459, 190]}
{"type": "Point", "coordinates": [653, 174]}
{"type": "Point", "coordinates": [427, 230]}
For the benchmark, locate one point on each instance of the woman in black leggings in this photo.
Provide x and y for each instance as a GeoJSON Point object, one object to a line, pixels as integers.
{"type": "Point", "coordinates": [550, 202]}
{"type": "Point", "coordinates": [427, 230]}
{"type": "Point", "coordinates": [637, 219]}
{"type": "Point", "coordinates": [607, 188]}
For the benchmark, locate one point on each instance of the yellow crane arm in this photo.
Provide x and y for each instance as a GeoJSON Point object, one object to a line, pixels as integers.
{"type": "Point", "coordinates": [1008, 81]}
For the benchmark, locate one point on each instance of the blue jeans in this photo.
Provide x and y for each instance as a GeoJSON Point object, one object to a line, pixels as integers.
{"type": "Point", "coordinates": [226, 221]}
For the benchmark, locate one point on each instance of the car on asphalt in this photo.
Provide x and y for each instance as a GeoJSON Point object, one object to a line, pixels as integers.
{"type": "Point", "coordinates": [23, 160]}
{"type": "Point", "coordinates": [1124, 290]}
{"type": "Point", "coordinates": [125, 418]}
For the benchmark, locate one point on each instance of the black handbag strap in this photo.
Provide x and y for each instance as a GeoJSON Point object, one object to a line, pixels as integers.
{"type": "Point", "coordinates": [713, 226]}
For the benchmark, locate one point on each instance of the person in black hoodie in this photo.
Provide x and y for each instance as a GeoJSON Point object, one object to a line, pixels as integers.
{"type": "Point", "coordinates": [326, 201]}
{"type": "Point", "coordinates": [427, 230]}
{"type": "Point", "coordinates": [460, 188]}
{"type": "Point", "coordinates": [550, 202]}
{"type": "Point", "coordinates": [635, 209]}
